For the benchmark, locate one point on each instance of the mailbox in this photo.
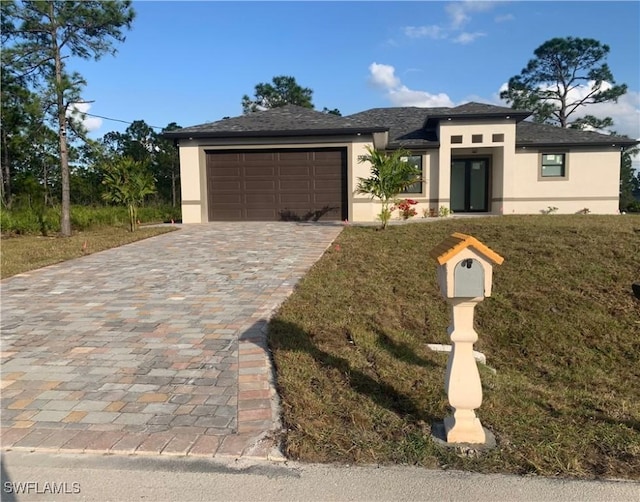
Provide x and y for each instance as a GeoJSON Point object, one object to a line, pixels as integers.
{"type": "Point", "coordinates": [465, 266]}
{"type": "Point", "coordinates": [468, 279]}
{"type": "Point", "coordinates": [465, 271]}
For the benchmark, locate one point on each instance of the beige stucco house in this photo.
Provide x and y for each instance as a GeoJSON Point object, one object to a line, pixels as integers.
{"type": "Point", "coordinates": [293, 162]}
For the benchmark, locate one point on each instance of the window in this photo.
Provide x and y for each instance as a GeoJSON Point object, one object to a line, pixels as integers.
{"type": "Point", "coordinates": [415, 160]}
{"type": "Point", "coordinates": [497, 138]}
{"type": "Point", "coordinates": [553, 165]}
{"type": "Point", "coordinates": [476, 138]}
{"type": "Point", "coordinates": [456, 139]}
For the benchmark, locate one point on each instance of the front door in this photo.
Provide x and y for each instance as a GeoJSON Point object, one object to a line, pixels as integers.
{"type": "Point", "coordinates": [469, 185]}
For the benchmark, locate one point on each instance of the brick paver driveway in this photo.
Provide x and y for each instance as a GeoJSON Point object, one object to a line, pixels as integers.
{"type": "Point", "coordinates": [154, 347]}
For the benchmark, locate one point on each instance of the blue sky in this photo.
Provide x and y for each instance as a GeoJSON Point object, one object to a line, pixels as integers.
{"type": "Point", "coordinates": [191, 62]}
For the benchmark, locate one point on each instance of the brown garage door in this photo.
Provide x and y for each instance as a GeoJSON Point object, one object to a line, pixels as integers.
{"type": "Point", "coordinates": [266, 185]}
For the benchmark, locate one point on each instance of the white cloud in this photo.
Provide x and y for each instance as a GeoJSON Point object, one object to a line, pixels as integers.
{"type": "Point", "coordinates": [435, 32]}
{"type": "Point", "coordinates": [459, 14]}
{"type": "Point", "coordinates": [467, 38]}
{"type": "Point", "coordinates": [384, 77]}
{"type": "Point", "coordinates": [459, 11]}
{"type": "Point", "coordinates": [403, 96]}
{"type": "Point", "coordinates": [625, 113]}
{"type": "Point", "coordinates": [76, 110]}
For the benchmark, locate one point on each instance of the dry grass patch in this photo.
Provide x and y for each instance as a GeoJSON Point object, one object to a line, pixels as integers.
{"type": "Point", "coordinates": [358, 383]}
{"type": "Point", "coordinates": [23, 253]}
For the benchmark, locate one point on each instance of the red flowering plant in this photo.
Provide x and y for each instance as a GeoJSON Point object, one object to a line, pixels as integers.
{"type": "Point", "coordinates": [405, 208]}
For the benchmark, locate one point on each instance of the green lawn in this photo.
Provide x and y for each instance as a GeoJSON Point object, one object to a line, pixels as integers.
{"type": "Point", "coordinates": [28, 252]}
{"type": "Point", "coordinates": [562, 331]}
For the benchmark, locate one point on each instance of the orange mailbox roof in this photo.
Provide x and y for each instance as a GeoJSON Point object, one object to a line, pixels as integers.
{"type": "Point", "coordinates": [456, 242]}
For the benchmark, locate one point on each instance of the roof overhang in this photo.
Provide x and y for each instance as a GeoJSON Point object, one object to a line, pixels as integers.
{"type": "Point", "coordinates": [180, 134]}
{"type": "Point", "coordinates": [600, 144]}
{"type": "Point", "coordinates": [516, 115]}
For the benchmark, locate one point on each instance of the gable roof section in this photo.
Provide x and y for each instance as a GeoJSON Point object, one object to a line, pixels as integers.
{"type": "Point", "coordinates": [456, 242]}
{"type": "Point", "coordinates": [405, 124]}
{"type": "Point", "coordinates": [288, 120]}
{"type": "Point", "coordinates": [474, 110]}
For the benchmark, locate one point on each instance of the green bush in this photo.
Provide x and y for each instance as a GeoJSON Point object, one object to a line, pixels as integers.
{"type": "Point", "coordinates": [28, 220]}
{"type": "Point", "coordinates": [633, 207]}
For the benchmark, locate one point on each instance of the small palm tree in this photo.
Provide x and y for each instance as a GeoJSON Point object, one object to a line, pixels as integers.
{"type": "Point", "coordinates": [390, 175]}
{"type": "Point", "coordinates": [127, 183]}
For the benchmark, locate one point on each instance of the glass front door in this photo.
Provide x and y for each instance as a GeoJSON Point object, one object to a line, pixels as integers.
{"type": "Point", "coordinates": [469, 185]}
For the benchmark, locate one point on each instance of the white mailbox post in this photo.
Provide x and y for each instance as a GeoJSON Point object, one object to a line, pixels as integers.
{"type": "Point", "coordinates": [464, 274]}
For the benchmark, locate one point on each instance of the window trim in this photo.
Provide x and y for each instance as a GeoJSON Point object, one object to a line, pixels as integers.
{"type": "Point", "coordinates": [565, 164]}
{"type": "Point", "coordinates": [420, 183]}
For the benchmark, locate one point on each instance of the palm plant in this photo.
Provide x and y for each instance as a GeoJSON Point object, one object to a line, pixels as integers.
{"type": "Point", "coordinates": [390, 175]}
{"type": "Point", "coordinates": [127, 183]}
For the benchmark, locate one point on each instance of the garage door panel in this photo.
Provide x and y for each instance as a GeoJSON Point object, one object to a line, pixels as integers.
{"type": "Point", "coordinates": [295, 185]}
{"type": "Point", "coordinates": [230, 198]}
{"type": "Point", "coordinates": [260, 185]}
{"type": "Point", "coordinates": [226, 185]}
{"type": "Point", "coordinates": [295, 171]}
{"type": "Point", "coordinates": [293, 156]}
{"type": "Point", "coordinates": [333, 155]}
{"type": "Point", "coordinates": [259, 156]}
{"type": "Point", "coordinates": [276, 184]}
{"type": "Point", "coordinates": [261, 214]}
{"type": "Point", "coordinates": [257, 170]}
{"type": "Point", "coordinates": [327, 186]}
{"type": "Point", "coordinates": [300, 164]}
{"type": "Point", "coordinates": [325, 174]}
{"type": "Point", "coordinates": [227, 170]}
{"type": "Point", "coordinates": [228, 157]}
{"type": "Point", "coordinates": [260, 199]}
{"type": "Point", "coordinates": [295, 198]}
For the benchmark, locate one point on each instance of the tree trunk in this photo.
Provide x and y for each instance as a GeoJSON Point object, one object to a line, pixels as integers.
{"type": "Point", "coordinates": [5, 173]}
{"type": "Point", "coordinates": [65, 217]}
{"type": "Point", "coordinates": [45, 178]}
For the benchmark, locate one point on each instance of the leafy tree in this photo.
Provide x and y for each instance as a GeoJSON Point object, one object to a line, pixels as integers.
{"type": "Point", "coordinates": [390, 175]}
{"type": "Point", "coordinates": [42, 35]}
{"type": "Point", "coordinates": [87, 175]}
{"type": "Point", "coordinates": [168, 167]}
{"type": "Point", "coordinates": [127, 183]}
{"type": "Point", "coordinates": [21, 114]}
{"type": "Point", "coordinates": [591, 122]}
{"type": "Point", "coordinates": [551, 84]}
{"type": "Point", "coordinates": [138, 141]}
{"type": "Point", "coordinates": [629, 180]}
{"type": "Point", "coordinates": [28, 145]}
{"type": "Point", "coordinates": [282, 91]}
{"type": "Point", "coordinates": [143, 144]}
{"type": "Point", "coordinates": [335, 111]}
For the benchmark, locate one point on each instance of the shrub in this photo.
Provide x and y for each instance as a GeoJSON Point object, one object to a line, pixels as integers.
{"type": "Point", "coordinates": [26, 220]}
{"type": "Point", "coordinates": [405, 208]}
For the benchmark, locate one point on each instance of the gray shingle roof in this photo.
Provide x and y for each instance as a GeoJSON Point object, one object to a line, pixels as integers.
{"type": "Point", "coordinates": [406, 125]}
{"type": "Point", "coordinates": [479, 110]}
{"type": "Point", "coordinates": [409, 127]}
{"type": "Point", "coordinates": [530, 133]}
{"type": "Point", "coordinates": [288, 120]}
